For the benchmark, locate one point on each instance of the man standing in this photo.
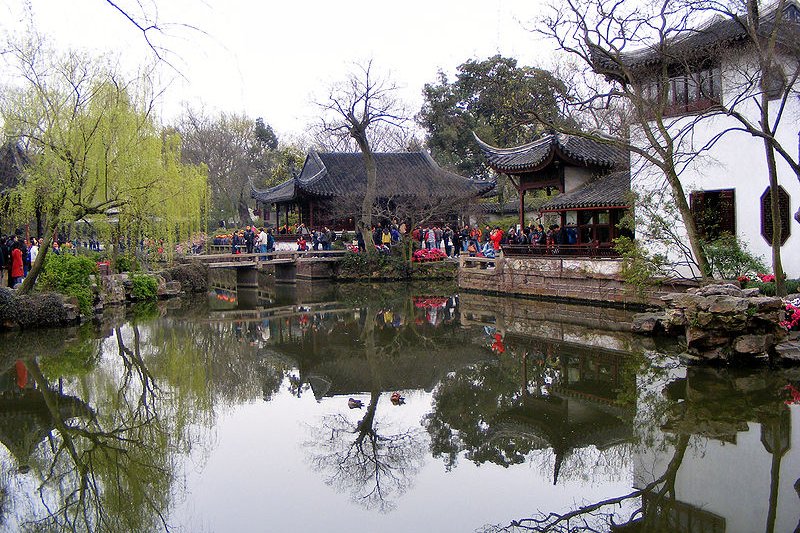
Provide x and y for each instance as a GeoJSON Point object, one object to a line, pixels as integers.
{"type": "Point", "coordinates": [249, 239]}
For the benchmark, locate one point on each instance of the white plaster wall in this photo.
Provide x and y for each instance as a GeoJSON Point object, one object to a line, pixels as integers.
{"type": "Point", "coordinates": [732, 480]}
{"type": "Point", "coordinates": [737, 161]}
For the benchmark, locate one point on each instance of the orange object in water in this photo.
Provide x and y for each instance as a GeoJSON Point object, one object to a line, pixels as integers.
{"type": "Point", "coordinates": [22, 374]}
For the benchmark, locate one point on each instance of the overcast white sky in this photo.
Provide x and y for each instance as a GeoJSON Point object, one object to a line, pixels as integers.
{"type": "Point", "coordinates": [270, 59]}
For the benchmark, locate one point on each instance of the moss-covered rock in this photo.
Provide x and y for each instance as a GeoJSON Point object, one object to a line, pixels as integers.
{"type": "Point", "coordinates": [38, 310]}
{"type": "Point", "coordinates": [192, 276]}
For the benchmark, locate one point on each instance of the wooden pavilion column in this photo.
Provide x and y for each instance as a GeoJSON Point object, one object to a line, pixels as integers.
{"type": "Point", "coordinates": [522, 209]}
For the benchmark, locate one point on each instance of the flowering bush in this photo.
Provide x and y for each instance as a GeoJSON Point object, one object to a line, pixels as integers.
{"type": "Point", "coordinates": [766, 278]}
{"type": "Point", "coordinates": [743, 279]}
{"type": "Point", "coordinates": [792, 321]}
{"type": "Point", "coordinates": [794, 394]}
{"type": "Point", "coordinates": [434, 254]}
{"type": "Point", "coordinates": [428, 302]}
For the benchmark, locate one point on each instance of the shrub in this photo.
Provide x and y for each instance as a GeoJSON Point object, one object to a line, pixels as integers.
{"type": "Point", "coordinates": [125, 263]}
{"type": "Point", "coordinates": [144, 287]}
{"type": "Point", "coordinates": [768, 288]}
{"type": "Point", "coordinates": [69, 275]}
{"type": "Point", "coordinates": [638, 267]}
{"type": "Point", "coordinates": [192, 276]}
{"type": "Point", "coordinates": [377, 266]}
{"type": "Point", "coordinates": [730, 259]}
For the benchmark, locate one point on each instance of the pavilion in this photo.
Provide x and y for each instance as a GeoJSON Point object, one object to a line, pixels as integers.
{"type": "Point", "coordinates": [329, 188]}
{"type": "Point", "coordinates": [591, 176]}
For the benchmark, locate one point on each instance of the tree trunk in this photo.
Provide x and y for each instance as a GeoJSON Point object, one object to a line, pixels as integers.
{"type": "Point", "coordinates": [775, 210]}
{"type": "Point", "coordinates": [365, 221]}
{"type": "Point", "coordinates": [695, 242]}
{"type": "Point", "coordinates": [243, 210]}
{"type": "Point", "coordinates": [36, 267]}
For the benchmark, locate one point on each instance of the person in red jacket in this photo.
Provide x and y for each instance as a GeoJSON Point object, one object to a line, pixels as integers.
{"type": "Point", "coordinates": [17, 270]}
{"type": "Point", "coordinates": [496, 237]}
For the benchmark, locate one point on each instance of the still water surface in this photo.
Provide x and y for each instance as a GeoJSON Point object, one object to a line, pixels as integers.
{"type": "Point", "coordinates": [279, 411]}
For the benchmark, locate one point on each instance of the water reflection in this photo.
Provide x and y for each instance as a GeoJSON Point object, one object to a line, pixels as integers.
{"type": "Point", "coordinates": [86, 462]}
{"type": "Point", "coordinates": [112, 426]}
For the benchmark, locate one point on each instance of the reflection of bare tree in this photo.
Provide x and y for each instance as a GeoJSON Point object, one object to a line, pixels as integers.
{"type": "Point", "coordinates": [599, 516]}
{"type": "Point", "coordinates": [373, 467]}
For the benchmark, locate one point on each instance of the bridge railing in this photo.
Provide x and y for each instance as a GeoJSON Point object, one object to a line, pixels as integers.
{"type": "Point", "coordinates": [260, 257]}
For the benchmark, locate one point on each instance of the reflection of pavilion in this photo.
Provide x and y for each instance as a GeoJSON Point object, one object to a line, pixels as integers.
{"type": "Point", "coordinates": [567, 424]}
{"type": "Point", "coordinates": [411, 370]}
{"type": "Point", "coordinates": [333, 366]}
{"type": "Point", "coordinates": [581, 407]}
{"type": "Point", "coordinates": [325, 343]}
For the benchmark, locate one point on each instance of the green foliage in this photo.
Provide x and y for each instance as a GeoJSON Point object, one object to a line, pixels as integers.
{"type": "Point", "coordinates": [145, 311]}
{"type": "Point", "coordinates": [375, 266]}
{"type": "Point", "coordinates": [639, 268]}
{"type": "Point", "coordinates": [126, 263]}
{"type": "Point", "coordinates": [358, 266]}
{"type": "Point", "coordinates": [99, 151]}
{"type": "Point", "coordinates": [768, 289]}
{"type": "Point", "coordinates": [144, 287]}
{"type": "Point", "coordinates": [730, 259]}
{"type": "Point", "coordinates": [76, 360]}
{"type": "Point", "coordinates": [505, 104]}
{"type": "Point", "coordinates": [69, 274]}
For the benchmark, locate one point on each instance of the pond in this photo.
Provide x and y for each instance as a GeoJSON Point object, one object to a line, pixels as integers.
{"type": "Point", "coordinates": [386, 408]}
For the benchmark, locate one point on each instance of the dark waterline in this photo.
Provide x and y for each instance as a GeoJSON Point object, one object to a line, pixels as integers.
{"type": "Point", "coordinates": [231, 413]}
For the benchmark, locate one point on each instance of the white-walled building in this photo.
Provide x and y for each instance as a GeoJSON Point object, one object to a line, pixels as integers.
{"type": "Point", "coordinates": [713, 70]}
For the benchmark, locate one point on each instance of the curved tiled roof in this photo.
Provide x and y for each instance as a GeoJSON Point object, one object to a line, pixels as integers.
{"type": "Point", "coordinates": [279, 193]}
{"type": "Point", "coordinates": [606, 191]}
{"type": "Point", "coordinates": [338, 174]}
{"type": "Point", "coordinates": [535, 155]}
{"type": "Point", "coordinates": [717, 34]}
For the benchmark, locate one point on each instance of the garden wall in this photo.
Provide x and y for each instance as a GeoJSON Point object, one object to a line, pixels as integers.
{"type": "Point", "coordinates": [567, 279]}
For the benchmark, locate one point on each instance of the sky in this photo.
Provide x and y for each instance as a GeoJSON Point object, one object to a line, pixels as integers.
{"type": "Point", "coordinates": [276, 59]}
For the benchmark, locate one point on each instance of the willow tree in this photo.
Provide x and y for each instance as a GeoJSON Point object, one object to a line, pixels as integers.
{"type": "Point", "coordinates": [96, 151]}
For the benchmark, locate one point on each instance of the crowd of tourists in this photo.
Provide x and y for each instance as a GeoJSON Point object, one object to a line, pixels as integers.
{"type": "Point", "coordinates": [249, 240]}
{"type": "Point", "coordinates": [452, 240]}
{"type": "Point", "coordinates": [16, 257]}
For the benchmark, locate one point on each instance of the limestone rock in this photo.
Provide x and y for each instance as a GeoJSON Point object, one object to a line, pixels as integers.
{"type": "Point", "coordinates": [753, 343]}
{"type": "Point", "coordinates": [726, 289]}
{"type": "Point", "coordinates": [168, 289]}
{"type": "Point", "coordinates": [763, 304]}
{"type": "Point", "coordinates": [788, 350]}
{"type": "Point", "coordinates": [727, 304]}
{"type": "Point", "coordinates": [647, 323]}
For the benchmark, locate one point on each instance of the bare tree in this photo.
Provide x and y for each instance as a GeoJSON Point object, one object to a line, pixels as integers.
{"type": "Point", "coordinates": [353, 110]}
{"type": "Point", "coordinates": [144, 17]}
{"type": "Point", "coordinates": [229, 146]}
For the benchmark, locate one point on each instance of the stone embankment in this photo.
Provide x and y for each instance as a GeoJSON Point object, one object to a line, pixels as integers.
{"type": "Point", "coordinates": [597, 280]}
{"type": "Point", "coordinates": [50, 309]}
{"type": "Point", "coordinates": [724, 323]}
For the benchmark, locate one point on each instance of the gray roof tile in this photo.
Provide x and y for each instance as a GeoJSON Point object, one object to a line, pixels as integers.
{"type": "Point", "coordinates": [339, 174]}
{"type": "Point", "coordinates": [533, 156]}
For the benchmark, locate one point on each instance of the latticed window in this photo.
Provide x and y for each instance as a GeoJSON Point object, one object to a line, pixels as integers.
{"type": "Point", "coordinates": [766, 214]}
{"type": "Point", "coordinates": [714, 212]}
